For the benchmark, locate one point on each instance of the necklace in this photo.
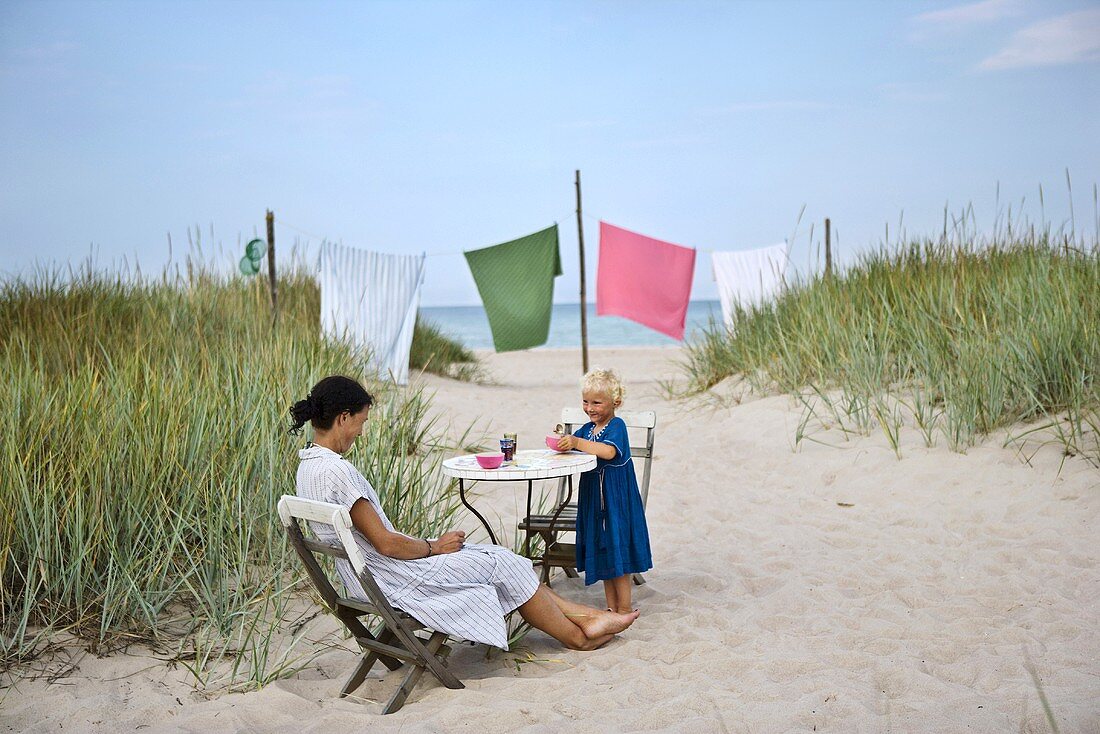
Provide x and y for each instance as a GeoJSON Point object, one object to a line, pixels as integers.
{"type": "Point", "coordinates": [593, 435]}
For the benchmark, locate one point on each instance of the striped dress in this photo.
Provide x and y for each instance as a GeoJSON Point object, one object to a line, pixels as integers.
{"type": "Point", "coordinates": [465, 594]}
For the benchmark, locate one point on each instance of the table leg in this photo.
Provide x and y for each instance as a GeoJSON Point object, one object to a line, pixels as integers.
{"type": "Point", "coordinates": [552, 534]}
{"type": "Point", "coordinates": [462, 498]}
{"type": "Point", "coordinates": [568, 496]}
{"type": "Point", "coordinates": [527, 533]}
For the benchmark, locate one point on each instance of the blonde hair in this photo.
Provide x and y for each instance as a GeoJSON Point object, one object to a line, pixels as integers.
{"type": "Point", "coordinates": [604, 382]}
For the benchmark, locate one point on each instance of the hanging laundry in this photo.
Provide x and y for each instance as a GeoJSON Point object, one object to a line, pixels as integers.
{"type": "Point", "coordinates": [748, 277]}
{"type": "Point", "coordinates": [516, 283]}
{"type": "Point", "coordinates": [644, 280]}
{"type": "Point", "coordinates": [370, 299]}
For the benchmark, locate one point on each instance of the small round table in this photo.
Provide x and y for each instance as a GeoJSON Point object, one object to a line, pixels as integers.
{"type": "Point", "coordinates": [529, 465]}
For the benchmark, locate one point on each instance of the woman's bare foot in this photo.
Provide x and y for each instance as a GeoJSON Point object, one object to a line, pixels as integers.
{"type": "Point", "coordinates": [605, 623]}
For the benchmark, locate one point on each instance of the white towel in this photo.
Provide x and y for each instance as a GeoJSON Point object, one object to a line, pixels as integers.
{"type": "Point", "coordinates": [748, 277]}
{"type": "Point", "coordinates": [370, 299]}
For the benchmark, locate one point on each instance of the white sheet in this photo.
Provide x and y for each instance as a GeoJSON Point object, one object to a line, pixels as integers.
{"type": "Point", "coordinates": [370, 299]}
{"type": "Point", "coordinates": [748, 277]}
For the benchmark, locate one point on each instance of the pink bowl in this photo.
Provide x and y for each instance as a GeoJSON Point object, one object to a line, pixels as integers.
{"type": "Point", "coordinates": [552, 441]}
{"type": "Point", "coordinates": [491, 460]}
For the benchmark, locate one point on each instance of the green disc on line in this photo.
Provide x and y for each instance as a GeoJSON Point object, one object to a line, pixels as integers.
{"type": "Point", "coordinates": [256, 249]}
{"type": "Point", "coordinates": [249, 266]}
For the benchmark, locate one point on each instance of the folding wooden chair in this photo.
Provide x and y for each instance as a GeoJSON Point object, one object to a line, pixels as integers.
{"type": "Point", "coordinates": [563, 519]}
{"type": "Point", "coordinates": [397, 641]}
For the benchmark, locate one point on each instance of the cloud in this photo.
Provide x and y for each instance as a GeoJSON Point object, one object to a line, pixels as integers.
{"type": "Point", "coordinates": [766, 106]}
{"type": "Point", "coordinates": [1066, 39]}
{"type": "Point", "coordinates": [50, 51]}
{"type": "Point", "coordinates": [588, 124]}
{"type": "Point", "coordinates": [911, 93]}
{"type": "Point", "coordinates": [332, 99]}
{"type": "Point", "coordinates": [986, 11]}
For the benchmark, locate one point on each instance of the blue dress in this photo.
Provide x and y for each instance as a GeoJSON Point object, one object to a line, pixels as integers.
{"type": "Point", "coordinates": [612, 537]}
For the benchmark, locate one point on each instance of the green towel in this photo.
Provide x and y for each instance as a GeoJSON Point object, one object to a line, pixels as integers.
{"type": "Point", "coordinates": [516, 283]}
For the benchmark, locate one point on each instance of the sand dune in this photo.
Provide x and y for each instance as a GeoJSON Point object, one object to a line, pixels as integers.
{"type": "Point", "coordinates": [832, 588]}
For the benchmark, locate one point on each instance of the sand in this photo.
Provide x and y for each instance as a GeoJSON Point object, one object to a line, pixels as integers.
{"type": "Point", "coordinates": [811, 588]}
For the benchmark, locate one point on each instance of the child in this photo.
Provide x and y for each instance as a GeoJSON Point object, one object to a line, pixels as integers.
{"type": "Point", "coordinates": [612, 538]}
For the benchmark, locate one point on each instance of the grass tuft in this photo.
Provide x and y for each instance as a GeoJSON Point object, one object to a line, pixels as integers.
{"type": "Point", "coordinates": [146, 451]}
{"type": "Point", "coordinates": [434, 351]}
{"type": "Point", "coordinates": [956, 340]}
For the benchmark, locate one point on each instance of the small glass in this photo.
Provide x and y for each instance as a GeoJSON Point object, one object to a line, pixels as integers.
{"type": "Point", "coordinates": [508, 448]}
{"type": "Point", "coordinates": [515, 442]}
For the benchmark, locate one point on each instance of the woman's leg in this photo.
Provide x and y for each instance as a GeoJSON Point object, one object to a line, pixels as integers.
{"type": "Point", "coordinates": [593, 621]}
{"type": "Point", "coordinates": [585, 628]}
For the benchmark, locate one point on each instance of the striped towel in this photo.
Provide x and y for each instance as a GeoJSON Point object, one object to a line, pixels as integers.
{"type": "Point", "coordinates": [370, 299]}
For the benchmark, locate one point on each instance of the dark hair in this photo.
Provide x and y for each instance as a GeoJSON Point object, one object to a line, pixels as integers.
{"type": "Point", "coordinates": [329, 398]}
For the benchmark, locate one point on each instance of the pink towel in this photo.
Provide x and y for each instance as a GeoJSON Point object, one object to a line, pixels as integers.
{"type": "Point", "coordinates": [644, 280]}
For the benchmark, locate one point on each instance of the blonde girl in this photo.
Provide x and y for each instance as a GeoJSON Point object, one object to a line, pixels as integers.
{"type": "Point", "coordinates": [612, 536]}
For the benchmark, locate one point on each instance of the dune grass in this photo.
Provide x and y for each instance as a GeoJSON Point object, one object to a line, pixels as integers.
{"type": "Point", "coordinates": [145, 450]}
{"type": "Point", "coordinates": [954, 340]}
{"type": "Point", "coordinates": [436, 352]}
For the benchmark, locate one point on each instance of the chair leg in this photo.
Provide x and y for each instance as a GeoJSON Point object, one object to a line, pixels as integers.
{"type": "Point", "coordinates": [571, 572]}
{"type": "Point", "coordinates": [403, 691]}
{"type": "Point", "coordinates": [358, 629]}
{"type": "Point", "coordinates": [435, 662]}
{"type": "Point", "coordinates": [638, 579]}
{"type": "Point", "coordinates": [366, 662]}
{"type": "Point", "coordinates": [435, 647]}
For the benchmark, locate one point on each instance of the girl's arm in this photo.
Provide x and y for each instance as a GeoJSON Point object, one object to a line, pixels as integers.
{"type": "Point", "coordinates": [398, 545]}
{"type": "Point", "coordinates": [604, 451]}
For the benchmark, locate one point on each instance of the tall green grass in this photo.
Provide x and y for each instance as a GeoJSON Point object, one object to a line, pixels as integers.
{"type": "Point", "coordinates": [434, 351]}
{"type": "Point", "coordinates": [956, 341]}
{"type": "Point", "coordinates": [145, 450]}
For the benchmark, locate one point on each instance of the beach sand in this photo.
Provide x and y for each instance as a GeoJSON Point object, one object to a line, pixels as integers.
{"type": "Point", "coordinates": [825, 587]}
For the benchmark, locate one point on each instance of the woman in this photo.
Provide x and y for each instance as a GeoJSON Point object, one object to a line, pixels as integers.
{"type": "Point", "coordinates": [448, 585]}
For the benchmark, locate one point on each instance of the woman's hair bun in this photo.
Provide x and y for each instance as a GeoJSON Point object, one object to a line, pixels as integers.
{"type": "Point", "coordinates": [329, 398]}
{"type": "Point", "coordinates": [302, 412]}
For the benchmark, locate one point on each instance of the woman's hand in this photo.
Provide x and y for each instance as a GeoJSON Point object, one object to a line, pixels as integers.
{"type": "Point", "coordinates": [450, 542]}
{"type": "Point", "coordinates": [567, 443]}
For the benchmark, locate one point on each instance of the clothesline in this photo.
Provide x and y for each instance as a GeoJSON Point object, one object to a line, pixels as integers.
{"type": "Point", "coordinates": [373, 297]}
{"type": "Point", "coordinates": [451, 253]}
{"type": "Point", "coordinates": [284, 223]}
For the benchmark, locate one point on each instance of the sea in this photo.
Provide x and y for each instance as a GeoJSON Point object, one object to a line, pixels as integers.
{"type": "Point", "coordinates": [470, 326]}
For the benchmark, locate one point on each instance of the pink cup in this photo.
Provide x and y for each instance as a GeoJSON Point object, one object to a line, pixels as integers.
{"type": "Point", "coordinates": [491, 460]}
{"type": "Point", "coordinates": [552, 441]}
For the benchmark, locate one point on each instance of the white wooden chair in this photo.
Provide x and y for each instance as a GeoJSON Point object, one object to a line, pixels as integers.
{"type": "Point", "coordinates": [397, 642]}
{"type": "Point", "coordinates": [563, 519]}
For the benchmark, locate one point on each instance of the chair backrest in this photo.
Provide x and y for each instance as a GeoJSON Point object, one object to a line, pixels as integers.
{"type": "Point", "coordinates": [637, 422]}
{"type": "Point", "coordinates": [292, 510]}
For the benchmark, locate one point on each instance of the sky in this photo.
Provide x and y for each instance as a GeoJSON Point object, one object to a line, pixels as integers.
{"type": "Point", "coordinates": [440, 127]}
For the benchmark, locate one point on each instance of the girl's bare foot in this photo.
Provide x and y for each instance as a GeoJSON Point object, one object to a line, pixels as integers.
{"type": "Point", "coordinates": [605, 623]}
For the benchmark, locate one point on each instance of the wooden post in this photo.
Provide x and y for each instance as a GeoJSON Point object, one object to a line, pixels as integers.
{"type": "Point", "coordinates": [584, 304]}
{"type": "Point", "coordinates": [828, 249]}
{"type": "Point", "coordinates": [271, 266]}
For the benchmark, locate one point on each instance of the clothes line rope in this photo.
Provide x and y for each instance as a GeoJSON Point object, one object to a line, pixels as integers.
{"type": "Point", "coordinates": [594, 218]}
{"type": "Point", "coordinates": [288, 225]}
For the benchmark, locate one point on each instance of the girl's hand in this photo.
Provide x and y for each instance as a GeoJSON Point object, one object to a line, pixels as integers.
{"type": "Point", "coordinates": [450, 542]}
{"type": "Point", "coordinates": [567, 443]}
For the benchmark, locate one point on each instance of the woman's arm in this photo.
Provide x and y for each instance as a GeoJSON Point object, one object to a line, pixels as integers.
{"type": "Point", "coordinates": [398, 545]}
{"type": "Point", "coordinates": [604, 451]}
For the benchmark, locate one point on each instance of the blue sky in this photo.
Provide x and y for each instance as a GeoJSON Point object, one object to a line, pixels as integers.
{"type": "Point", "coordinates": [440, 127]}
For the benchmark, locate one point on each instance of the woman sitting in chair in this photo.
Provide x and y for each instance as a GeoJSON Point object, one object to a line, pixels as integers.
{"type": "Point", "coordinates": [463, 589]}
